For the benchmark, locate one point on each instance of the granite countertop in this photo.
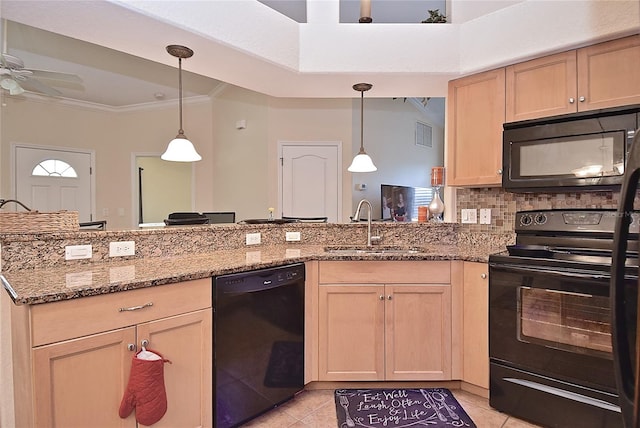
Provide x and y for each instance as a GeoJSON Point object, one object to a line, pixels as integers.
{"type": "Point", "coordinates": [35, 286]}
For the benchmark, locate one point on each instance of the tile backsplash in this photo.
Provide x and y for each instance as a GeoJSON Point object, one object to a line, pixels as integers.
{"type": "Point", "coordinates": [504, 204]}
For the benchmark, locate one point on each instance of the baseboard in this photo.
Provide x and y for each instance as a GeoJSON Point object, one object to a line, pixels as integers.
{"type": "Point", "coordinates": [453, 384]}
{"type": "Point", "coordinates": [474, 389]}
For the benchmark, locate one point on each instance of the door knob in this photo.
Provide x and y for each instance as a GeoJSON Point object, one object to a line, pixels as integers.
{"type": "Point", "coordinates": [582, 99]}
{"type": "Point", "coordinates": [483, 276]}
{"type": "Point", "coordinates": [131, 346]}
{"type": "Point", "coordinates": [572, 100]}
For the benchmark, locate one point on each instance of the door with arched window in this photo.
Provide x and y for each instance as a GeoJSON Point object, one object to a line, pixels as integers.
{"type": "Point", "coordinates": [51, 180]}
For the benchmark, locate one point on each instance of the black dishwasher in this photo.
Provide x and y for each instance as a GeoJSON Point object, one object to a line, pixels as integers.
{"type": "Point", "coordinates": [258, 337]}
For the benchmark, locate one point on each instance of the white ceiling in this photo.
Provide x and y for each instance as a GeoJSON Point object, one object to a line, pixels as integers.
{"type": "Point", "coordinates": [246, 43]}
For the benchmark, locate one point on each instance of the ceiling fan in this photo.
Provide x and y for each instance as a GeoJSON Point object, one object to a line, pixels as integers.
{"type": "Point", "coordinates": [16, 79]}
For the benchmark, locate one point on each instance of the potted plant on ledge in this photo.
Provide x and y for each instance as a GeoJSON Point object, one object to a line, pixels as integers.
{"type": "Point", "coordinates": [435, 17]}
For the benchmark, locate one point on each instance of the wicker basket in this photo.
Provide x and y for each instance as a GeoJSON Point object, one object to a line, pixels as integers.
{"type": "Point", "coordinates": [36, 222]}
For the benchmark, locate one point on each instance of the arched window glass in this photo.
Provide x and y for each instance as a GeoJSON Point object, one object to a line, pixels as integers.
{"type": "Point", "coordinates": [54, 168]}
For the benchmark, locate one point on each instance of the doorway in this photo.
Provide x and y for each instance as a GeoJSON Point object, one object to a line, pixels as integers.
{"type": "Point", "coordinates": [54, 179]}
{"type": "Point", "coordinates": [162, 187]}
{"type": "Point", "coordinates": [310, 179]}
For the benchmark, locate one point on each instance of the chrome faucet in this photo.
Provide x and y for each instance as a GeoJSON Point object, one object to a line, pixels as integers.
{"type": "Point", "coordinates": [356, 217]}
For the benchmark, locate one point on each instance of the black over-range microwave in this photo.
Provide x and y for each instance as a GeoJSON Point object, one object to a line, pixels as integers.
{"type": "Point", "coordinates": [583, 151]}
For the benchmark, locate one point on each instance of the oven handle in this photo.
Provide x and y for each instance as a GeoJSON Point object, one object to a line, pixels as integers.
{"type": "Point", "coordinates": [538, 270]}
{"type": "Point", "coordinates": [622, 352]}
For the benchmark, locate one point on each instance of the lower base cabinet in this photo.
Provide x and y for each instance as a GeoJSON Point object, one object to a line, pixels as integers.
{"type": "Point", "coordinates": [80, 381]}
{"type": "Point", "coordinates": [398, 328]}
{"type": "Point", "coordinates": [475, 366]}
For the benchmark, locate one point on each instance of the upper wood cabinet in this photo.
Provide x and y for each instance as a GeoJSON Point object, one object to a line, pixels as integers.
{"type": "Point", "coordinates": [475, 113]}
{"type": "Point", "coordinates": [598, 76]}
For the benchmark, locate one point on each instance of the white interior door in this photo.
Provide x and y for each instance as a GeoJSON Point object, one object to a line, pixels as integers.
{"type": "Point", "coordinates": [51, 180]}
{"type": "Point", "coordinates": [311, 180]}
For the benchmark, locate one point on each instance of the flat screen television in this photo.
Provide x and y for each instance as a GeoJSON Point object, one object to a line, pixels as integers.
{"type": "Point", "coordinates": [400, 203]}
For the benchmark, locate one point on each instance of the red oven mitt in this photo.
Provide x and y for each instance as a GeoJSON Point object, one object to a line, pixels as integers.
{"type": "Point", "coordinates": [145, 390]}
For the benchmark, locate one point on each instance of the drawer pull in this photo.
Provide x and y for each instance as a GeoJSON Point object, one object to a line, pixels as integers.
{"type": "Point", "coordinates": [135, 308]}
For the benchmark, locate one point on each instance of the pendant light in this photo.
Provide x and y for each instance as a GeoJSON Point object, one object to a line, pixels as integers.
{"type": "Point", "coordinates": [362, 162]}
{"type": "Point", "coordinates": [180, 149]}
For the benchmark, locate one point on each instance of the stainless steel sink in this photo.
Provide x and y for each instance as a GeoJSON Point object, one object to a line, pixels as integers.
{"type": "Point", "coordinates": [371, 250]}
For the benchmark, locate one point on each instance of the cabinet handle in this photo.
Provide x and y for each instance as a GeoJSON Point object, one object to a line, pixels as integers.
{"type": "Point", "coordinates": [582, 99]}
{"type": "Point", "coordinates": [381, 297]}
{"type": "Point", "coordinates": [389, 297]}
{"type": "Point", "coordinates": [144, 343]}
{"type": "Point", "coordinates": [499, 171]}
{"type": "Point", "coordinates": [135, 308]}
{"type": "Point", "coordinates": [572, 100]}
{"type": "Point", "coordinates": [483, 275]}
{"type": "Point", "coordinates": [131, 346]}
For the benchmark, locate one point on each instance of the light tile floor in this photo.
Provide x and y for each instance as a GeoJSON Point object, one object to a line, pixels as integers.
{"type": "Point", "coordinates": [316, 408]}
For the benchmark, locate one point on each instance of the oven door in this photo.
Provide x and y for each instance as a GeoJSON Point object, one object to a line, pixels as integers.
{"type": "Point", "coordinates": [550, 345]}
{"type": "Point", "coordinates": [554, 322]}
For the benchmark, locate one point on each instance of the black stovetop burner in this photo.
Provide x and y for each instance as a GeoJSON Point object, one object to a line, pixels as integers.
{"type": "Point", "coordinates": [571, 238]}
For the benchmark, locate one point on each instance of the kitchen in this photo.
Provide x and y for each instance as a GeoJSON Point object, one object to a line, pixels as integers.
{"type": "Point", "coordinates": [502, 204]}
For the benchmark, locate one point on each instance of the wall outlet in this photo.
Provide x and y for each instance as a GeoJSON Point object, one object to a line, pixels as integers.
{"type": "Point", "coordinates": [485, 215]}
{"type": "Point", "coordinates": [122, 248]}
{"type": "Point", "coordinates": [469, 216]}
{"type": "Point", "coordinates": [292, 236]}
{"type": "Point", "coordinates": [75, 252]}
{"type": "Point", "coordinates": [253, 238]}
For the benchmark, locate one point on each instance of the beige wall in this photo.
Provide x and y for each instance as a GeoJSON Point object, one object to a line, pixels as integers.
{"type": "Point", "coordinates": [239, 168]}
{"type": "Point", "coordinates": [239, 159]}
{"type": "Point", "coordinates": [309, 120]}
{"type": "Point", "coordinates": [115, 137]}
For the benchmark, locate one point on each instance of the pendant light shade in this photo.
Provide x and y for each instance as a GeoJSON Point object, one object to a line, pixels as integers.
{"type": "Point", "coordinates": [180, 149]}
{"type": "Point", "coordinates": [362, 162]}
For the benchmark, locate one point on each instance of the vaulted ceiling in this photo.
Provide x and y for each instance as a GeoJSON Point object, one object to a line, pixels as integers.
{"type": "Point", "coordinates": [249, 44]}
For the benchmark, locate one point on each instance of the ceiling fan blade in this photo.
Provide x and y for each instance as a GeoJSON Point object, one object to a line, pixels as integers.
{"type": "Point", "coordinates": [10, 61]}
{"type": "Point", "coordinates": [20, 74]}
{"type": "Point", "coordinates": [34, 85]}
{"type": "Point", "coordinates": [55, 75]}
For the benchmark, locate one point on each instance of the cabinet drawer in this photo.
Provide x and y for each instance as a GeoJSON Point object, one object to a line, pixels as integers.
{"type": "Point", "coordinates": [52, 322]}
{"type": "Point", "coordinates": [396, 272]}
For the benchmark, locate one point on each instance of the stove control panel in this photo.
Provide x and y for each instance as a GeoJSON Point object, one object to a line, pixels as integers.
{"type": "Point", "coordinates": [574, 220]}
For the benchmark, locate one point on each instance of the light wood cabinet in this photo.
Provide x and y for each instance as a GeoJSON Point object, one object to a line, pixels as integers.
{"type": "Point", "coordinates": [384, 321]}
{"type": "Point", "coordinates": [475, 115]}
{"type": "Point", "coordinates": [78, 374]}
{"type": "Point", "coordinates": [475, 365]}
{"type": "Point", "coordinates": [598, 76]}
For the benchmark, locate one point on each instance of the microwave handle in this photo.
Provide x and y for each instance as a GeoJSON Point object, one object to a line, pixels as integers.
{"type": "Point", "coordinates": [619, 329]}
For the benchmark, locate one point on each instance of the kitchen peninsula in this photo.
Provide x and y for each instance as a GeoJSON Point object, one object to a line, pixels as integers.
{"type": "Point", "coordinates": [67, 315]}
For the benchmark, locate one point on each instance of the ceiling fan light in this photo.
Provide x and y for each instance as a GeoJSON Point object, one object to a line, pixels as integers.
{"type": "Point", "coordinates": [12, 86]}
{"type": "Point", "coordinates": [180, 149]}
{"type": "Point", "coordinates": [362, 163]}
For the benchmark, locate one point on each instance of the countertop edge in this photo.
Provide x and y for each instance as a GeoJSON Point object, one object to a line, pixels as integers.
{"type": "Point", "coordinates": [187, 274]}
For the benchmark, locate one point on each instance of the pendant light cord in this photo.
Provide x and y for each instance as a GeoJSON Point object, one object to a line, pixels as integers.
{"type": "Point", "coordinates": [361, 121]}
{"type": "Point", "coordinates": [180, 131]}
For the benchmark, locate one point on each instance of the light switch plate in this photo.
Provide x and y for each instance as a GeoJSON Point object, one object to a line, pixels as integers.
{"type": "Point", "coordinates": [292, 236]}
{"type": "Point", "coordinates": [253, 238]}
{"type": "Point", "coordinates": [75, 252]}
{"type": "Point", "coordinates": [469, 216]}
